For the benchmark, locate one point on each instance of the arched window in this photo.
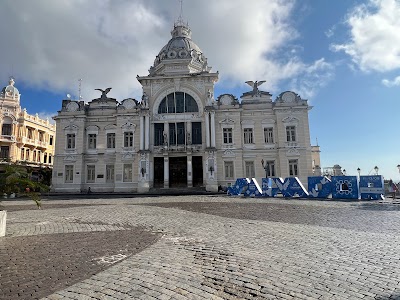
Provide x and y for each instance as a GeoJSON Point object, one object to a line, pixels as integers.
{"type": "Point", "coordinates": [178, 102]}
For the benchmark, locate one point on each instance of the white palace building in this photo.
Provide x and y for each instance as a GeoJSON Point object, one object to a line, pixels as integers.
{"type": "Point", "coordinates": [179, 135]}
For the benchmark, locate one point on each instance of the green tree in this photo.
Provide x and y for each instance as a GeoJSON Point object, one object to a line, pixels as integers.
{"type": "Point", "coordinates": [17, 180]}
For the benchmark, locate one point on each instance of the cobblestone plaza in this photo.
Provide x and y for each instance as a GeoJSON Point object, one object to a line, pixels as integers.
{"type": "Point", "coordinates": [200, 247]}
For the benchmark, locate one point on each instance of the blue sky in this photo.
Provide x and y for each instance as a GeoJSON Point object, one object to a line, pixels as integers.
{"type": "Point", "coordinates": [344, 56]}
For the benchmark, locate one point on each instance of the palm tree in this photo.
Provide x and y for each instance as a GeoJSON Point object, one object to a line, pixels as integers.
{"type": "Point", "coordinates": [17, 180]}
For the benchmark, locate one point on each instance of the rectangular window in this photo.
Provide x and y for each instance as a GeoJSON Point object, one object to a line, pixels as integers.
{"type": "Point", "coordinates": [22, 154]}
{"type": "Point", "coordinates": [110, 140]}
{"type": "Point", "coordinates": [70, 141]}
{"type": "Point", "coordinates": [92, 139]}
{"type": "Point", "coordinates": [128, 139]}
{"type": "Point", "coordinates": [45, 158]}
{"type": "Point", "coordinates": [177, 134]}
{"type": "Point", "coordinates": [30, 134]}
{"type": "Point", "coordinates": [49, 158]}
{"type": "Point", "coordinates": [34, 155]}
{"type": "Point", "coordinates": [69, 173]}
{"type": "Point", "coordinates": [228, 169]}
{"type": "Point", "coordinates": [39, 156]}
{"type": "Point", "coordinates": [110, 170]}
{"type": "Point", "coordinates": [91, 173]}
{"type": "Point", "coordinates": [127, 172]}
{"type": "Point", "coordinates": [269, 168]}
{"type": "Point", "coordinates": [250, 173]}
{"type": "Point", "coordinates": [248, 135]}
{"type": "Point", "coordinates": [51, 140]}
{"type": "Point", "coordinates": [158, 134]}
{"type": "Point", "coordinates": [293, 167]}
{"type": "Point", "coordinates": [27, 156]}
{"type": "Point", "coordinates": [291, 133]}
{"type": "Point", "coordinates": [4, 152]}
{"type": "Point", "coordinates": [196, 133]}
{"type": "Point", "coordinates": [227, 135]}
{"type": "Point", "coordinates": [181, 133]}
{"type": "Point", "coordinates": [41, 134]}
{"type": "Point", "coordinates": [268, 135]}
{"type": "Point", "coordinates": [6, 129]}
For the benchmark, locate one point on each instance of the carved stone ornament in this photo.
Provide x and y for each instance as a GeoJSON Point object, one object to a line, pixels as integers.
{"type": "Point", "coordinates": [129, 103]}
{"type": "Point", "coordinates": [128, 156]}
{"type": "Point", "coordinates": [291, 119]}
{"type": "Point", "coordinates": [228, 153]}
{"type": "Point", "coordinates": [288, 97]}
{"type": "Point", "coordinates": [70, 158]}
{"type": "Point", "coordinates": [72, 106]}
{"type": "Point", "coordinates": [293, 152]}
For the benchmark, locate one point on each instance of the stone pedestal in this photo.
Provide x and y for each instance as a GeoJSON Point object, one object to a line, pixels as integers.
{"type": "Point", "coordinates": [3, 217]}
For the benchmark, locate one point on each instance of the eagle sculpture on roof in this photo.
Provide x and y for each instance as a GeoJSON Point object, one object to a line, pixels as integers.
{"type": "Point", "coordinates": [255, 85]}
{"type": "Point", "coordinates": [104, 93]}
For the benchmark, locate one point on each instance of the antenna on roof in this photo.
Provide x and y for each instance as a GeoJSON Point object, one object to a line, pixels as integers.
{"type": "Point", "coordinates": [316, 139]}
{"type": "Point", "coordinates": [180, 18]}
{"type": "Point", "coordinates": [80, 89]}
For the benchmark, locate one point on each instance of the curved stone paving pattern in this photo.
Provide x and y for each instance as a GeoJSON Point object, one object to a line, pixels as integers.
{"type": "Point", "coordinates": [204, 256]}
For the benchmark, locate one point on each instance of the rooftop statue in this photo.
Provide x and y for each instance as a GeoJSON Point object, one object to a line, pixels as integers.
{"type": "Point", "coordinates": [255, 85]}
{"type": "Point", "coordinates": [104, 93]}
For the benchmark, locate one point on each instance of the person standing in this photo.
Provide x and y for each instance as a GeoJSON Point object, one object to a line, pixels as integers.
{"type": "Point", "coordinates": [392, 187]}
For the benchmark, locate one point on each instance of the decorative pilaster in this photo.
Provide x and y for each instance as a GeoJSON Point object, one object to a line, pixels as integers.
{"type": "Point", "coordinates": [166, 172]}
{"type": "Point", "coordinates": [147, 132]}
{"type": "Point", "coordinates": [189, 171]}
{"type": "Point", "coordinates": [207, 120]}
{"type": "Point", "coordinates": [141, 147]}
{"type": "Point", "coordinates": [213, 129]}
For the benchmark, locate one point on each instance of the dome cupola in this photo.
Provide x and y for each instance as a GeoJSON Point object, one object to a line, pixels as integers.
{"type": "Point", "coordinates": [180, 55]}
{"type": "Point", "coordinates": [10, 91]}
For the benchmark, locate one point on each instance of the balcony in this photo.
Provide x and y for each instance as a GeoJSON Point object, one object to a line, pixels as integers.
{"type": "Point", "coordinates": [8, 138]}
{"type": "Point", "coordinates": [178, 148]}
{"type": "Point", "coordinates": [291, 144]}
{"type": "Point", "coordinates": [32, 142]}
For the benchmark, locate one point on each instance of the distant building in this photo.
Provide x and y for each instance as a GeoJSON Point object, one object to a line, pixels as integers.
{"type": "Point", "coordinates": [25, 139]}
{"type": "Point", "coordinates": [316, 160]}
{"type": "Point", "coordinates": [179, 134]}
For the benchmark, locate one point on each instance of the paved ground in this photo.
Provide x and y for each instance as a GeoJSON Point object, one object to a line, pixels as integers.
{"type": "Point", "coordinates": [200, 247]}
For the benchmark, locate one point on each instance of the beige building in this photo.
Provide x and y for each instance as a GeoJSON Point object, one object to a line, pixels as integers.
{"type": "Point", "coordinates": [180, 134]}
{"type": "Point", "coordinates": [24, 138]}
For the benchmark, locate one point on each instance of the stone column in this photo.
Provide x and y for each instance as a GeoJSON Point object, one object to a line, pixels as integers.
{"type": "Point", "coordinates": [207, 119]}
{"type": "Point", "coordinates": [166, 172]}
{"type": "Point", "coordinates": [189, 171]}
{"type": "Point", "coordinates": [189, 133]}
{"type": "Point", "coordinates": [147, 135]}
{"type": "Point", "coordinates": [213, 129]}
{"type": "Point", "coordinates": [141, 147]}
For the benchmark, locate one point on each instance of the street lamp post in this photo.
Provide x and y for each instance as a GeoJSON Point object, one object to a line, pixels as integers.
{"type": "Point", "coordinates": [265, 166]}
{"type": "Point", "coordinates": [376, 170]}
{"type": "Point", "coordinates": [359, 172]}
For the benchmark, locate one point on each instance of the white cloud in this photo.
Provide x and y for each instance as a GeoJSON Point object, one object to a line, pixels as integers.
{"type": "Point", "coordinates": [374, 36]}
{"type": "Point", "coordinates": [391, 83]}
{"type": "Point", "coordinates": [312, 77]}
{"type": "Point", "coordinates": [51, 44]}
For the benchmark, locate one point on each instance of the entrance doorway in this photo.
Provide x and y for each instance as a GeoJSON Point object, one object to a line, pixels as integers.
{"type": "Point", "coordinates": [158, 172]}
{"type": "Point", "coordinates": [178, 171]}
{"type": "Point", "coordinates": [197, 163]}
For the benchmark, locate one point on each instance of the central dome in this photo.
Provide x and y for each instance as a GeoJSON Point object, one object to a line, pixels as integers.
{"type": "Point", "coordinates": [180, 50]}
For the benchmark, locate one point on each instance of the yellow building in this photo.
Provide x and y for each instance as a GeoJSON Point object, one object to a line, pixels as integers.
{"type": "Point", "coordinates": [24, 138]}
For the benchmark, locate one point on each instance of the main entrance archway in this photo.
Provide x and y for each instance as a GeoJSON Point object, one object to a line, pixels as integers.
{"type": "Point", "coordinates": [178, 171]}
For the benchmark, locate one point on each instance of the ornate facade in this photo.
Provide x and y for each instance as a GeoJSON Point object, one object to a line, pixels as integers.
{"type": "Point", "coordinates": [24, 138]}
{"type": "Point", "coordinates": [179, 134]}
